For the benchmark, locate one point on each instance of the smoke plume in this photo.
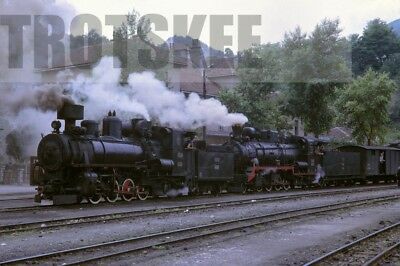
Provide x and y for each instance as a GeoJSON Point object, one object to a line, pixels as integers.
{"type": "Point", "coordinates": [26, 110]}
{"type": "Point", "coordinates": [149, 98]}
{"type": "Point", "coordinates": [45, 98]}
{"type": "Point", "coordinates": [144, 96]}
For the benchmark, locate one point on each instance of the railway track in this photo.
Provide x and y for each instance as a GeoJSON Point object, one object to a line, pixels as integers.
{"type": "Point", "coordinates": [16, 196]}
{"type": "Point", "coordinates": [386, 256]}
{"type": "Point", "coordinates": [98, 252]}
{"type": "Point", "coordinates": [369, 250]}
{"type": "Point", "coordinates": [101, 218]}
{"type": "Point", "coordinates": [49, 206]}
{"type": "Point", "coordinates": [27, 208]}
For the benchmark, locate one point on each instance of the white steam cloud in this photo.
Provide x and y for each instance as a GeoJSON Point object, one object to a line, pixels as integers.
{"type": "Point", "coordinates": [27, 110]}
{"type": "Point", "coordinates": [30, 112]}
{"type": "Point", "coordinates": [149, 98]}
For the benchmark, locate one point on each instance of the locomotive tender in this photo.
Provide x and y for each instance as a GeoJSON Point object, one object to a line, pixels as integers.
{"type": "Point", "coordinates": [137, 160]}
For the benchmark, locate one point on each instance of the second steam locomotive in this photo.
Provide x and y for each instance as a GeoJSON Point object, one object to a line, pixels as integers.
{"type": "Point", "coordinates": [137, 160]}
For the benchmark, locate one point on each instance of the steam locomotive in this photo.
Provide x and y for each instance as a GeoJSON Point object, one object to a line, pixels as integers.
{"type": "Point", "coordinates": [137, 159]}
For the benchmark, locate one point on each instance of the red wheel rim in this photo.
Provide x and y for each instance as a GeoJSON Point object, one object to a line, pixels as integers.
{"type": "Point", "coordinates": [128, 190]}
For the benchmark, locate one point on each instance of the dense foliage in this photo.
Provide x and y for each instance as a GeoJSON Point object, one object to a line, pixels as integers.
{"type": "Point", "coordinates": [376, 46]}
{"type": "Point", "coordinates": [314, 66]}
{"type": "Point", "coordinates": [363, 106]}
{"type": "Point", "coordinates": [325, 80]}
{"type": "Point", "coordinates": [293, 79]}
{"type": "Point", "coordinates": [256, 95]}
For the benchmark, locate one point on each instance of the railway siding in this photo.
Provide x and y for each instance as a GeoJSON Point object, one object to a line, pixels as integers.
{"type": "Point", "coordinates": [126, 214]}
{"type": "Point", "coordinates": [368, 250]}
{"type": "Point", "coordinates": [92, 253]}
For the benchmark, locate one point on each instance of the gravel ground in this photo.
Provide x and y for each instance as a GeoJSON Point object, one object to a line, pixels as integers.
{"type": "Point", "coordinates": [29, 243]}
{"type": "Point", "coordinates": [393, 259]}
{"type": "Point", "coordinates": [62, 212]}
{"type": "Point", "coordinates": [148, 203]}
{"type": "Point", "coordinates": [9, 189]}
{"type": "Point", "coordinates": [9, 193]}
{"type": "Point", "coordinates": [283, 243]}
{"type": "Point", "coordinates": [362, 252]}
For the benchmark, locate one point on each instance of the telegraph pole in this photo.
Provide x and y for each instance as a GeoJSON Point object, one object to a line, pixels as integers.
{"type": "Point", "coordinates": [204, 97]}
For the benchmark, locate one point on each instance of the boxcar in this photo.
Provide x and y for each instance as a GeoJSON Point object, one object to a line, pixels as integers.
{"type": "Point", "coordinates": [340, 165]}
{"type": "Point", "coordinates": [376, 161]}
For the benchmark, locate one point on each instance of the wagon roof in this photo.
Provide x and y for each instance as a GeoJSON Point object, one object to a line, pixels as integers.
{"type": "Point", "coordinates": [313, 140]}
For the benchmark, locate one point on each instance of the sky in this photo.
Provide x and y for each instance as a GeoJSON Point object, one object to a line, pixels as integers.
{"type": "Point", "coordinates": [278, 16]}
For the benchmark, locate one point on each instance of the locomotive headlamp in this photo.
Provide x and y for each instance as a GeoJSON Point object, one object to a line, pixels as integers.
{"type": "Point", "coordinates": [56, 125]}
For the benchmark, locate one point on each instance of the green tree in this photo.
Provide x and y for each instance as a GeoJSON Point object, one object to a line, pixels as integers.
{"type": "Point", "coordinates": [363, 106]}
{"type": "Point", "coordinates": [257, 93]}
{"type": "Point", "coordinates": [377, 44]}
{"type": "Point", "coordinates": [135, 26]}
{"type": "Point", "coordinates": [294, 40]}
{"type": "Point", "coordinates": [229, 53]}
{"type": "Point", "coordinates": [129, 39]}
{"type": "Point", "coordinates": [379, 48]}
{"type": "Point", "coordinates": [391, 66]}
{"type": "Point", "coordinates": [313, 67]}
{"type": "Point", "coordinates": [92, 38]}
{"type": "Point", "coordinates": [132, 23]}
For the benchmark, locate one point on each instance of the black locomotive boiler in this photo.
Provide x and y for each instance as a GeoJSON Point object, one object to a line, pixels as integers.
{"type": "Point", "coordinates": [130, 160]}
{"type": "Point", "coordinates": [137, 159]}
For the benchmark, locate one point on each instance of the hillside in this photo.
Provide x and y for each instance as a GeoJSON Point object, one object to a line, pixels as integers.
{"type": "Point", "coordinates": [396, 26]}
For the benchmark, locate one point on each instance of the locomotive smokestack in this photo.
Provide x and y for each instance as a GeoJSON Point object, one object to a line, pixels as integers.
{"type": "Point", "coordinates": [70, 113]}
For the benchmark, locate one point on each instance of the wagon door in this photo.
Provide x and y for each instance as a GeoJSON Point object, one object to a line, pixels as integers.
{"type": "Point", "coordinates": [373, 157]}
{"type": "Point", "coordinates": [392, 162]}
